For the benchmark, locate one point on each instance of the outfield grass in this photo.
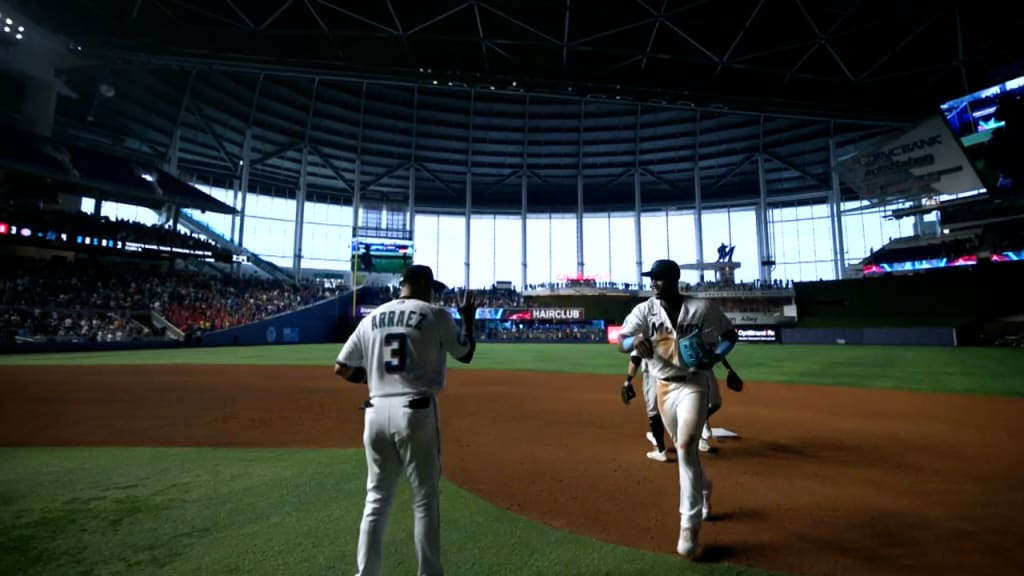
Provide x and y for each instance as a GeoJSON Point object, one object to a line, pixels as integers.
{"type": "Point", "coordinates": [194, 511]}
{"type": "Point", "coordinates": [987, 371]}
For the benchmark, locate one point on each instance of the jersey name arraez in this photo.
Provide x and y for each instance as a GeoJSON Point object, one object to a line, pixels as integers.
{"type": "Point", "coordinates": [404, 347]}
{"type": "Point", "coordinates": [696, 316]}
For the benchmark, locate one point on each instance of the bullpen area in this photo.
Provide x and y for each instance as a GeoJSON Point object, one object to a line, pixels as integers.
{"type": "Point", "coordinates": [850, 460]}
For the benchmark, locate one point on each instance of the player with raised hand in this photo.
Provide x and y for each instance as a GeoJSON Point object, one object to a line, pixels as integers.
{"type": "Point", "coordinates": [682, 339]}
{"type": "Point", "coordinates": [400, 350]}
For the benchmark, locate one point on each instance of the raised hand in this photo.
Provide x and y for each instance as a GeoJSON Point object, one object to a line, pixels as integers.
{"type": "Point", "coordinates": [467, 306]}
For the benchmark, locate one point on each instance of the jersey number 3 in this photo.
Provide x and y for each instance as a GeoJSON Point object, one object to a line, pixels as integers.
{"type": "Point", "coordinates": [396, 343]}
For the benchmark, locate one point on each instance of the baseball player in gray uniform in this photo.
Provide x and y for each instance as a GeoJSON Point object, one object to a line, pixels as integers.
{"type": "Point", "coordinates": [682, 339]}
{"type": "Point", "coordinates": [400, 350]}
{"type": "Point", "coordinates": [656, 434]}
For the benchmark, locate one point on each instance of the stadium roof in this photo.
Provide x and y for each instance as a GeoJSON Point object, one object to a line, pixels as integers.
{"type": "Point", "coordinates": [463, 79]}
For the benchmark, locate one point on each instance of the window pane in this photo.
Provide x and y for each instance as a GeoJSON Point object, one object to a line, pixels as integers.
{"type": "Point", "coordinates": [744, 238]}
{"type": "Point", "coordinates": [715, 231]}
{"type": "Point", "coordinates": [425, 245]}
{"type": "Point", "coordinates": [623, 253]}
{"type": "Point", "coordinates": [481, 251]}
{"type": "Point", "coordinates": [654, 237]}
{"type": "Point", "coordinates": [596, 243]}
{"type": "Point", "coordinates": [451, 245]}
{"type": "Point", "coordinates": [508, 244]}
{"type": "Point", "coordinates": [538, 255]}
{"type": "Point", "coordinates": [682, 238]}
{"type": "Point", "coordinates": [563, 246]}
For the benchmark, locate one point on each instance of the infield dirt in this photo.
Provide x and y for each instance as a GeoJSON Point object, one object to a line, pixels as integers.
{"type": "Point", "coordinates": [823, 481]}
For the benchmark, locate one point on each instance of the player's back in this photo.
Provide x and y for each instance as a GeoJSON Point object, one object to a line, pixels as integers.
{"type": "Point", "coordinates": [405, 346]}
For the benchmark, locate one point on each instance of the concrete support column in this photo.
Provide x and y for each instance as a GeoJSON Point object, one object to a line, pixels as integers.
{"type": "Point", "coordinates": [579, 197]}
{"type": "Point", "coordinates": [526, 139]}
{"type": "Point", "coordinates": [636, 202]}
{"type": "Point", "coordinates": [469, 180]}
{"type": "Point", "coordinates": [698, 200]}
{"type": "Point", "coordinates": [836, 212]}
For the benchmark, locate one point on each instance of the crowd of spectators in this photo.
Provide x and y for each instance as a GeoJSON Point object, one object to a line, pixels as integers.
{"type": "Point", "coordinates": [545, 333]}
{"type": "Point", "coordinates": [74, 224]}
{"type": "Point", "coordinates": [95, 299]}
{"type": "Point", "coordinates": [755, 286]}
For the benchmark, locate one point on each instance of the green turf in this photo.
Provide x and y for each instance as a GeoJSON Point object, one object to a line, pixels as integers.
{"type": "Point", "coordinates": [991, 371]}
{"type": "Point", "coordinates": [191, 511]}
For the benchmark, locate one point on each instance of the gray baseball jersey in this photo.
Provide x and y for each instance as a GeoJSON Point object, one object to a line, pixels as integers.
{"type": "Point", "coordinates": [650, 319]}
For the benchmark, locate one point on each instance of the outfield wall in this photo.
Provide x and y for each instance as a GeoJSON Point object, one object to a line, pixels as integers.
{"type": "Point", "coordinates": [940, 336]}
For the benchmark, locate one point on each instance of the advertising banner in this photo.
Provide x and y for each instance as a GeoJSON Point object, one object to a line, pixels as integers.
{"type": "Point", "coordinates": [546, 315]}
{"type": "Point", "coordinates": [925, 161]}
{"type": "Point", "coordinates": [753, 318]}
{"type": "Point", "coordinates": [759, 334]}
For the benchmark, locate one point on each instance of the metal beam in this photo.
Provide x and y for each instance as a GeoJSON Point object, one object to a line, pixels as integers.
{"type": "Point", "coordinates": [241, 14]}
{"type": "Point", "coordinates": [412, 154]}
{"type": "Point", "coordinates": [327, 31]}
{"type": "Point", "coordinates": [276, 152]}
{"type": "Point", "coordinates": [565, 35]}
{"type": "Point", "coordinates": [469, 181]}
{"type": "Point", "coordinates": [284, 6]}
{"type": "Point", "coordinates": [332, 168]}
{"type": "Point", "coordinates": [732, 172]}
{"type": "Point", "coordinates": [524, 185]}
{"type": "Point", "coordinates": [698, 200]}
{"type": "Point", "coordinates": [135, 10]}
{"type": "Point", "coordinates": [247, 161]}
{"type": "Point", "coordinates": [960, 61]}
{"type": "Point", "coordinates": [355, 16]}
{"type": "Point", "coordinates": [401, 33]}
{"type": "Point", "coordinates": [907, 40]}
{"type": "Point", "coordinates": [358, 177]}
{"type": "Point", "coordinates": [636, 202]}
{"type": "Point", "coordinates": [837, 197]}
{"type": "Point", "coordinates": [438, 18]}
{"type": "Point", "coordinates": [206, 13]}
{"type": "Point", "coordinates": [654, 32]}
{"type": "Point", "coordinates": [387, 174]}
{"type": "Point", "coordinates": [228, 158]}
{"type": "Point", "coordinates": [736, 42]}
{"type": "Point", "coordinates": [172, 150]}
{"type": "Point", "coordinates": [519, 23]}
{"type": "Point", "coordinates": [480, 32]}
{"type": "Point", "coordinates": [762, 213]}
{"type": "Point", "coordinates": [300, 194]}
{"type": "Point", "coordinates": [326, 74]}
{"type": "Point", "coordinates": [451, 191]}
{"type": "Point", "coordinates": [659, 179]}
{"type": "Point", "coordinates": [579, 195]}
{"type": "Point", "coordinates": [793, 168]}
{"type": "Point", "coordinates": [681, 34]}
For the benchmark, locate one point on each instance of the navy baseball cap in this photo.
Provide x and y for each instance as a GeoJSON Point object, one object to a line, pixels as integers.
{"type": "Point", "coordinates": [421, 273]}
{"type": "Point", "coordinates": [663, 269]}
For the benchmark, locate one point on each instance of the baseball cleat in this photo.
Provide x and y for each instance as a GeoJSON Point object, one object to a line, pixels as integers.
{"type": "Point", "coordinates": [687, 544]}
{"type": "Point", "coordinates": [659, 456]}
{"type": "Point", "coordinates": [704, 446]}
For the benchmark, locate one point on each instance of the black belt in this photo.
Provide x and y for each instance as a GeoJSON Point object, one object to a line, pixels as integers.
{"type": "Point", "coordinates": [417, 403]}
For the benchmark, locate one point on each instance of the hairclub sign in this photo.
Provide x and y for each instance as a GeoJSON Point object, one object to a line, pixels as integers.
{"type": "Point", "coordinates": [547, 315]}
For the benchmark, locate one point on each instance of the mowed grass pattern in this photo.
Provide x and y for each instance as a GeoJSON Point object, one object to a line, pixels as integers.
{"type": "Point", "coordinates": [950, 370]}
{"type": "Point", "coordinates": [192, 511]}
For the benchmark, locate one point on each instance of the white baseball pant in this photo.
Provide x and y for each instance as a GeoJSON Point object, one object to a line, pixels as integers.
{"type": "Point", "coordinates": [684, 409]}
{"type": "Point", "coordinates": [398, 438]}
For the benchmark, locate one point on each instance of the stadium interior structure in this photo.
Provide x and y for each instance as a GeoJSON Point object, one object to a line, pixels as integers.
{"type": "Point", "coordinates": [533, 152]}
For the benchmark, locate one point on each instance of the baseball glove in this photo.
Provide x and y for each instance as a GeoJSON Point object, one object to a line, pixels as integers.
{"type": "Point", "coordinates": [628, 393]}
{"type": "Point", "coordinates": [695, 352]}
{"type": "Point", "coordinates": [734, 382]}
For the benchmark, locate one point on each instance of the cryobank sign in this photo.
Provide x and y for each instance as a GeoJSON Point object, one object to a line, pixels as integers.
{"type": "Point", "coordinates": [925, 161]}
